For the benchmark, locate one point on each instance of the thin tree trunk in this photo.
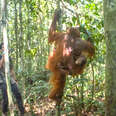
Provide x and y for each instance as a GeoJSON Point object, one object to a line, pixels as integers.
{"type": "Point", "coordinates": [7, 72]}
{"type": "Point", "coordinates": [58, 108]}
{"type": "Point", "coordinates": [110, 36]}
{"type": "Point", "coordinates": [82, 92]}
{"type": "Point", "coordinates": [21, 32]}
{"type": "Point", "coordinates": [0, 24]}
{"type": "Point", "coordinates": [16, 34]}
{"type": "Point", "coordinates": [29, 66]}
{"type": "Point", "coordinates": [93, 82]}
{"type": "Point", "coordinates": [21, 46]}
{"type": "Point", "coordinates": [0, 21]}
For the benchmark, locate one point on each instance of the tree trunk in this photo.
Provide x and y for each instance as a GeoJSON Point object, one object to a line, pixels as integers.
{"type": "Point", "coordinates": [21, 33]}
{"type": "Point", "coordinates": [110, 36]}
{"type": "Point", "coordinates": [58, 108]}
{"type": "Point", "coordinates": [0, 21]}
{"type": "Point", "coordinates": [21, 45]}
{"type": "Point", "coordinates": [29, 43]}
{"type": "Point", "coordinates": [5, 40]}
{"type": "Point", "coordinates": [16, 35]}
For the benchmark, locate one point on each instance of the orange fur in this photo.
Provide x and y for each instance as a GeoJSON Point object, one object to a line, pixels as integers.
{"type": "Point", "coordinates": [68, 57]}
{"type": "Point", "coordinates": [58, 82]}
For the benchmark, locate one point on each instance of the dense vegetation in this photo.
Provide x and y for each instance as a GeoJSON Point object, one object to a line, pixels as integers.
{"type": "Point", "coordinates": [28, 24]}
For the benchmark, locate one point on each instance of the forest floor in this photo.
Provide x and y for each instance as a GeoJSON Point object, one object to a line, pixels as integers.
{"type": "Point", "coordinates": [46, 107]}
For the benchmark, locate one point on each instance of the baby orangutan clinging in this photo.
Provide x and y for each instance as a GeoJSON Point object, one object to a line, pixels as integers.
{"type": "Point", "coordinates": [67, 58]}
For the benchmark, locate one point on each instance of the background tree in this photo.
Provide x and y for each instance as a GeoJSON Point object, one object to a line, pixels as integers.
{"type": "Point", "coordinates": [110, 36]}
{"type": "Point", "coordinates": [5, 41]}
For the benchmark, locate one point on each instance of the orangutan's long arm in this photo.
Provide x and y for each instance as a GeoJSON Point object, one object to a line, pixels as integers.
{"type": "Point", "coordinates": [53, 27]}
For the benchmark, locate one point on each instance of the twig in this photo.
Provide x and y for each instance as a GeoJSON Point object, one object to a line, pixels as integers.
{"type": "Point", "coordinates": [93, 88]}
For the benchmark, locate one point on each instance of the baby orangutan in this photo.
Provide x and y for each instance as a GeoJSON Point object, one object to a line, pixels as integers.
{"type": "Point", "coordinates": [67, 58]}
